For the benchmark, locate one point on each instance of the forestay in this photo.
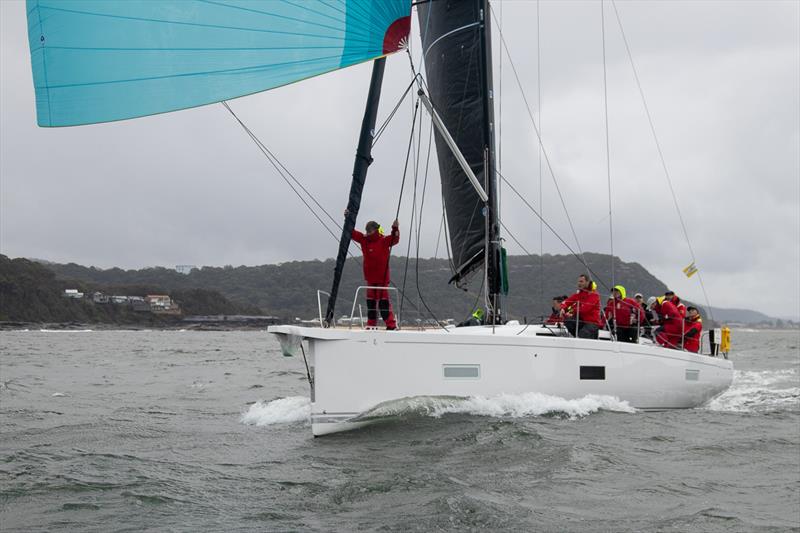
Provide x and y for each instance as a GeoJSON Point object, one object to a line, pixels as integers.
{"type": "Point", "coordinates": [119, 59]}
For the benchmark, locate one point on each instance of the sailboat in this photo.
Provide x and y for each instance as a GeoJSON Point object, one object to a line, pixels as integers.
{"type": "Point", "coordinates": [104, 61]}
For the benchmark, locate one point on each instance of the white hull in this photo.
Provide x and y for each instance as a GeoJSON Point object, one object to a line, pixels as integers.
{"type": "Point", "coordinates": [356, 370]}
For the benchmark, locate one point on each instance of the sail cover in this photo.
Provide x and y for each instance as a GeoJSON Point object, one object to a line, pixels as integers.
{"type": "Point", "coordinates": [455, 66]}
{"type": "Point", "coordinates": [99, 61]}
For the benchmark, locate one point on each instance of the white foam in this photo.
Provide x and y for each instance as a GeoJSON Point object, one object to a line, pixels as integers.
{"type": "Point", "coordinates": [506, 405]}
{"type": "Point", "coordinates": [534, 404]}
{"type": "Point", "coordinates": [66, 330]}
{"type": "Point", "coordinates": [757, 390]}
{"type": "Point", "coordinates": [296, 409]}
{"type": "Point", "coordinates": [281, 411]}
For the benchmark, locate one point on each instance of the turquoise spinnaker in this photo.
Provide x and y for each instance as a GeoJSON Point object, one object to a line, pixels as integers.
{"type": "Point", "coordinates": [100, 61]}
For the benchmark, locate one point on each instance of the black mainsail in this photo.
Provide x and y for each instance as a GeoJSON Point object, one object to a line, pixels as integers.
{"type": "Point", "coordinates": [457, 51]}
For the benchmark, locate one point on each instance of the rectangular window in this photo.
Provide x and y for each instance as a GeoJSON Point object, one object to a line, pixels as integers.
{"type": "Point", "coordinates": [692, 375]}
{"type": "Point", "coordinates": [461, 371]}
{"type": "Point", "coordinates": [593, 372]}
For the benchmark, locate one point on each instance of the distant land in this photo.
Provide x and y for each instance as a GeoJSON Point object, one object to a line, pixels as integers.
{"type": "Point", "coordinates": [31, 291]}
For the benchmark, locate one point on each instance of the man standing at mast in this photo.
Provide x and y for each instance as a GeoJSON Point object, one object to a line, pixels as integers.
{"type": "Point", "coordinates": [376, 249]}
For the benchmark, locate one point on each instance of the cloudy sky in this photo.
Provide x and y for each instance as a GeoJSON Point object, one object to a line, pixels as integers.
{"type": "Point", "coordinates": [722, 80]}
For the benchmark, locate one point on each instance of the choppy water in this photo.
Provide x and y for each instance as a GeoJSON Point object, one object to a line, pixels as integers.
{"type": "Point", "coordinates": [187, 431]}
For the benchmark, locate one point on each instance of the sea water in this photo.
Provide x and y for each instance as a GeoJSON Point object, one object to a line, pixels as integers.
{"type": "Point", "coordinates": [187, 431]}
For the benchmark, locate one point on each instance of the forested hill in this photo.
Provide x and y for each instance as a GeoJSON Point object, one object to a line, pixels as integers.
{"type": "Point", "coordinates": [289, 289]}
{"type": "Point", "coordinates": [31, 292]}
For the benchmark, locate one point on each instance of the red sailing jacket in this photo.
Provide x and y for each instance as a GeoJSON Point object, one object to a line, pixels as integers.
{"type": "Point", "coordinates": [376, 249]}
{"type": "Point", "coordinates": [624, 312]}
{"type": "Point", "coordinates": [553, 319]}
{"type": "Point", "coordinates": [585, 305]}
{"type": "Point", "coordinates": [692, 334]}
{"type": "Point", "coordinates": [679, 306]}
{"type": "Point", "coordinates": [670, 318]}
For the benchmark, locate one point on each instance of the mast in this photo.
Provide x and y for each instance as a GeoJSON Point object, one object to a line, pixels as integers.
{"type": "Point", "coordinates": [360, 167]}
{"type": "Point", "coordinates": [493, 244]}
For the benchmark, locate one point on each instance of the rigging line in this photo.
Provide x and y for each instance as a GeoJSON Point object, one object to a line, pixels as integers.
{"type": "Point", "coordinates": [608, 149]}
{"type": "Point", "coordinates": [276, 163]}
{"type": "Point", "coordinates": [413, 218]}
{"type": "Point", "coordinates": [439, 237]}
{"type": "Point", "coordinates": [539, 108]}
{"type": "Point", "coordinates": [419, 220]}
{"type": "Point", "coordinates": [580, 257]}
{"type": "Point", "coordinates": [539, 137]}
{"type": "Point", "coordinates": [447, 239]}
{"type": "Point", "coordinates": [381, 129]}
{"type": "Point", "coordinates": [500, 120]}
{"type": "Point", "coordinates": [267, 155]}
{"type": "Point", "coordinates": [660, 153]}
{"type": "Point", "coordinates": [400, 201]}
{"type": "Point", "coordinates": [272, 156]}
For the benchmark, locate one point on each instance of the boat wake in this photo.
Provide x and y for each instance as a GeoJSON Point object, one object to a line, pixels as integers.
{"type": "Point", "coordinates": [759, 391]}
{"type": "Point", "coordinates": [296, 409]}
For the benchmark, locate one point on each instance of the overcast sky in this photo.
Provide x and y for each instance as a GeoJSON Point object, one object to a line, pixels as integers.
{"type": "Point", "coordinates": [722, 80]}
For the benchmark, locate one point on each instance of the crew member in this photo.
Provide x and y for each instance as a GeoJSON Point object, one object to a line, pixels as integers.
{"type": "Point", "coordinates": [377, 248]}
{"type": "Point", "coordinates": [672, 297]}
{"type": "Point", "coordinates": [476, 319]}
{"type": "Point", "coordinates": [555, 311]}
{"type": "Point", "coordinates": [646, 316]}
{"type": "Point", "coordinates": [669, 331]}
{"type": "Point", "coordinates": [693, 330]}
{"type": "Point", "coordinates": [624, 315]}
{"type": "Point", "coordinates": [581, 311]}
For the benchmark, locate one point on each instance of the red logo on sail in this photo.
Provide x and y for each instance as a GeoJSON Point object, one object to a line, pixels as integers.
{"type": "Point", "coordinates": [396, 37]}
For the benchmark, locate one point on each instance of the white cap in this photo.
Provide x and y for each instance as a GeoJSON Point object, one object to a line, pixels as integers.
{"type": "Point", "coordinates": [651, 301]}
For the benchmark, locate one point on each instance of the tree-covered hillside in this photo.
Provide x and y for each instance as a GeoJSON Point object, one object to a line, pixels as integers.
{"type": "Point", "coordinates": [32, 292]}
{"type": "Point", "coordinates": [289, 289]}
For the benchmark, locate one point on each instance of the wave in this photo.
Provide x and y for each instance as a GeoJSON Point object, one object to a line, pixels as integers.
{"type": "Point", "coordinates": [755, 391]}
{"type": "Point", "coordinates": [281, 411]}
{"type": "Point", "coordinates": [504, 405]}
{"type": "Point", "coordinates": [297, 409]}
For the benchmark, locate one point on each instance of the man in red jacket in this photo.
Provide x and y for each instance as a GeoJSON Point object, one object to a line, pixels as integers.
{"type": "Point", "coordinates": [670, 330]}
{"type": "Point", "coordinates": [672, 297]}
{"type": "Point", "coordinates": [624, 315]}
{"type": "Point", "coordinates": [693, 330]}
{"type": "Point", "coordinates": [377, 248]}
{"type": "Point", "coordinates": [583, 317]}
{"type": "Point", "coordinates": [555, 311]}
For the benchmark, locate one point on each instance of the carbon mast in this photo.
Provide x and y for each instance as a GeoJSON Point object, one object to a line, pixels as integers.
{"type": "Point", "coordinates": [360, 166]}
{"type": "Point", "coordinates": [494, 260]}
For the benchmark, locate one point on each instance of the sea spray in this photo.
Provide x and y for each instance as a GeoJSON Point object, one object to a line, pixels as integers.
{"type": "Point", "coordinates": [298, 408]}
{"type": "Point", "coordinates": [534, 404]}
{"type": "Point", "coordinates": [281, 411]}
